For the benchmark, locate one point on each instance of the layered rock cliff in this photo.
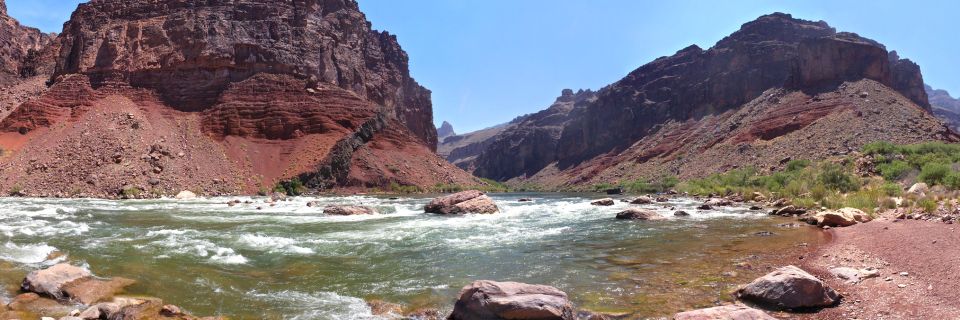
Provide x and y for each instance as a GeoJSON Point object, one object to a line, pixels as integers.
{"type": "Point", "coordinates": [695, 86]}
{"type": "Point", "coordinates": [20, 50]}
{"type": "Point", "coordinates": [149, 97]}
{"type": "Point", "coordinates": [945, 107]}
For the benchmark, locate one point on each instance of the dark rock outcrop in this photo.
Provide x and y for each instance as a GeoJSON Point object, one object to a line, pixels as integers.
{"type": "Point", "coordinates": [489, 300]}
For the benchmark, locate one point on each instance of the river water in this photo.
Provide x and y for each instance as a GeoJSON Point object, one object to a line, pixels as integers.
{"type": "Point", "coordinates": [290, 261]}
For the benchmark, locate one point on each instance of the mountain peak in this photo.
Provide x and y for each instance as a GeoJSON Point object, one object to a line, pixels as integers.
{"type": "Point", "coordinates": [445, 130]}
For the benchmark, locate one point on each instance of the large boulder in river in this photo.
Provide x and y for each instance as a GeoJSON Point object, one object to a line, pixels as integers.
{"type": "Point", "coordinates": [471, 201]}
{"type": "Point", "coordinates": [642, 200]}
{"type": "Point", "coordinates": [789, 288]}
{"type": "Point", "coordinates": [729, 312]}
{"type": "Point", "coordinates": [841, 218]}
{"type": "Point", "coordinates": [186, 195]}
{"type": "Point", "coordinates": [639, 214]}
{"type": "Point", "coordinates": [51, 281]}
{"type": "Point", "coordinates": [348, 210]}
{"type": "Point", "coordinates": [490, 300]}
{"type": "Point", "coordinates": [89, 290]}
{"type": "Point", "coordinates": [605, 202]}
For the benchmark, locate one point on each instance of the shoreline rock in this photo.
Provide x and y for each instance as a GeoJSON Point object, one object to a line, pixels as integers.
{"type": "Point", "coordinates": [486, 300]}
{"type": "Point", "coordinates": [789, 288]}
{"type": "Point", "coordinates": [728, 312]}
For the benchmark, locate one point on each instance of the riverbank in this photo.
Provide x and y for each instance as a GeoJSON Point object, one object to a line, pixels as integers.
{"type": "Point", "coordinates": [919, 264]}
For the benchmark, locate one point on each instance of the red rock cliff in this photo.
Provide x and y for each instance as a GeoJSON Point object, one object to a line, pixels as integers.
{"type": "Point", "coordinates": [190, 51]}
{"type": "Point", "coordinates": [20, 46]}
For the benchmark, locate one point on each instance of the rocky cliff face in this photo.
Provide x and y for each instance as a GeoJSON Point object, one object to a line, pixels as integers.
{"type": "Point", "coordinates": [191, 51]}
{"type": "Point", "coordinates": [945, 107]}
{"type": "Point", "coordinates": [531, 143]}
{"type": "Point", "coordinates": [222, 96]}
{"type": "Point", "coordinates": [694, 85]}
{"type": "Point", "coordinates": [445, 131]}
{"type": "Point", "coordinates": [21, 48]}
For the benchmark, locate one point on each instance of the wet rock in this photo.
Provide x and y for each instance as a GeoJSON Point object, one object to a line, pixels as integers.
{"type": "Point", "coordinates": [841, 218]}
{"type": "Point", "coordinates": [277, 196]}
{"type": "Point", "coordinates": [603, 202]}
{"type": "Point", "coordinates": [471, 201]}
{"type": "Point", "coordinates": [729, 312]}
{"type": "Point", "coordinates": [718, 202]}
{"type": "Point", "coordinates": [137, 308]}
{"type": "Point", "coordinates": [756, 208]}
{"type": "Point", "coordinates": [486, 300]}
{"type": "Point", "coordinates": [789, 288]}
{"type": "Point", "coordinates": [681, 213]}
{"type": "Point", "coordinates": [789, 211]}
{"type": "Point", "coordinates": [186, 195]}
{"type": "Point", "coordinates": [642, 200]}
{"type": "Point", "coordinates": [383, 308]}
{"type": "Point", "coordinates": [525, 200]}
{"type": "Point", "coordinates": [639, 214]}
{"type": "Point", "coordinates": [705, 207]}
{"type": "Point", "coordinates": [170, 311]}
{"type": "Point", "coordinates": [348, 210]}
{"type": "Point", "coordinates": [89, 291]}
{"type": "Point", "coordinates": [51, 281]}
{"type": "Point", "coordinates": [35, 304]}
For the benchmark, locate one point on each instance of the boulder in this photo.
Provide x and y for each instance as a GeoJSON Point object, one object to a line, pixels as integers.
{"type": "Point", "coordinates": [639, 214]}
{"type": "Point", "coordinates": [681, 213]}
{"type": "Point", "coordinates": [278, 196]}
{"type": "Point", "coordinates": [51, 281]}
{"type": "Point", "coordinates": [642, 200]}
{"type": "Point", "coordinates": [789, 288]}
{"type": "Point", "coordinates": [603, 202]}
{"type": "Point", "coordinates": [718, 202]}
{"type": "Point", "coordinates": [383, 308]}
{"type": "Point", "coordinates": [704, 207]}
{"type": "Point", "coordinates": [758, 197]}
{"type": "Point", "coordinates": [789, 211]}
{"type": "Point", "coordinates": [918, 188]}
{"type": "Point", "coordinates": [662, 199]}
{"type": "Point", "coordinates": [35, 304]}
{"type": "Point", "coordinates": [490, 300]}
{"type": "Point", "coordinates": [471, 201]}
{"type": "Point", "coordinates": [854, 276]}
{"type": "Point", "coordinates": [89, 291]}
{"type": "Point", "coordinates": [729, 312]}
{"type": "Point", "coordinates": [137, 309]}
{"type": "Point", "coordinates": [186, 195]}
{"type": "Point", "coordinates": [841, 218]}
{"type": "Point", "coordinates": [348, 210]}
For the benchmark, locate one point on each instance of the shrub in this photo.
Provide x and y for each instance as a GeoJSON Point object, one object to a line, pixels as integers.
{"type": "Point", "coordinates": [934, 173]}
{"type": "Point", "coordinates": [928, 205]}
{"type": "Point", "coordinates": [880, 147]}
{"type": "Point", "coordinates": [796, 165]}
{"type": "Point", "coordinates": [894, 170]}
{"type": "Point", "coordinates": [952, 180]}
{"type": "Point", "coordinates": [835, 178]}
{"type": "Point", "coordinates": [293, 187]}
{"type": "Point", "coordinates": [891, 189]}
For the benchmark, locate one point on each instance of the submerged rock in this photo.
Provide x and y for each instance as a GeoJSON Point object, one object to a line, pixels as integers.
{"type": "Point", "coordinates": [51, 281]}
{"type": "Point", "coordinates": [639, 214]}
{"type": "Point", "coordinates": [729, 312]}
{"type": "Point", "coordinates": [841, 218]}
{"type": "Point", "coordinates": [488, 300]}
{"type": "Point", "coordinates": [789, 288]}
{"type": "Point", "coordinates": [471, 201]}
{"type": "Point", "coordinates": [606, 202]}
{"type": "Point", "coordinates": [348, 210]}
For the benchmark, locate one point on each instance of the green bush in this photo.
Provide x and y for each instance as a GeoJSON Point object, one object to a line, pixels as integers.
{"type": "Point", "coordinates": [891, 189]}
{"type": "Point", "coordinates": [880, 147]}
{"type": "Point", "coordinates": [293, 187]}
{"type": "Point", "coordinates": [952, 180]}
{"type": "Point", "coordinates": [796, 165]}
{"type": "Point", "coordinates": [835, 178]}
{"type": "Point", "coordinates": [928, 205]}
{"type": "Point", "coordinates": [894, 170]}
{"type": "Point", "coordinates": [934, 173]}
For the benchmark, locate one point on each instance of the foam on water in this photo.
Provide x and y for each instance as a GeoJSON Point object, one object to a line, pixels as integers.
{"type": "Point", "coordinates": [320, 305]}
{"type": "Point", "coordinates": [27, 253]}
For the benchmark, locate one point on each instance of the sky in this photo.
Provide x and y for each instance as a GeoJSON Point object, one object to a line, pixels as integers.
{"type": "Point", "coordinates": [488, 61]}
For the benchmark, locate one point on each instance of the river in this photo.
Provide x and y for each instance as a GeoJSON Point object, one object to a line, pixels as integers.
{"type": "Point", "coordinates": [290, 261]}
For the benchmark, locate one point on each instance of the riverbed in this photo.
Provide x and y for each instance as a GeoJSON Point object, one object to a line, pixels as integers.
{"type": "Point", "coordinates": [289, 261]}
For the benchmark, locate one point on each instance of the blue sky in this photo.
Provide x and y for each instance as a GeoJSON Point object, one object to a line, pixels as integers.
{"type": "Point", "coordinates": [488, 61]}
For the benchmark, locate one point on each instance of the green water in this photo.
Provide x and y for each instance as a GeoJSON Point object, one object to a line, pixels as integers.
{"type": "Point", "coordinates": [290, 261]}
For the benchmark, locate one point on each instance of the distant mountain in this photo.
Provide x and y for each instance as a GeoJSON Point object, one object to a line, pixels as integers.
{"type": "Point", "coordinates": [778, 88]}
{"type": "Point", "coordinates": [945, 107]}
{"type": "Point", "coordinates": [445, 130]}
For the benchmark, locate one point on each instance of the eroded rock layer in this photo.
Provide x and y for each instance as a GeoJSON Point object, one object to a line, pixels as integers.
{"type": "Point", "coordinates": [676, 109]}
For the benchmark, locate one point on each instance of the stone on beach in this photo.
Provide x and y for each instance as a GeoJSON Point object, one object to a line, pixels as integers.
{"type": "Point", "coordinates": [489, 300]}
{"type": "Point", "coordinates": [471, 201]}
{"type": "Point", "coordinates": [789, 288]}
{"type": "Point", "coordinates": [728, 312]}
{"type": "Point", "coordinates": [186, 195]}
{"type": "Point", "coordinates": [51, 281]}
{"type": "Point", "coordinates": [841, 218]}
